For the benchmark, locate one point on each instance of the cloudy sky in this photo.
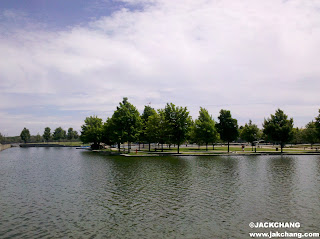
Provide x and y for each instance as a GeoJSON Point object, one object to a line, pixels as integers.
{"type": "Point", "coordinates": [62, 61]}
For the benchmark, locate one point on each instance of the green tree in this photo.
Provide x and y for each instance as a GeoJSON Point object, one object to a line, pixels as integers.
{"type": "Point", "coordinates": [178, 122]}
{"type": "Point", "coordinates": [297, 135]}
{"type": "Point", "coordinates": [157, 129]}
{"type": "Point", "coordinates": [278, 128]}
{"type": "Point", "coordinates": [250, 133]}
{"type": "Point", "coordinates": [310, 134]}
{"type": "Point", "coordinates": [108, 134]}
{"type": "Point", "coordinates": [46, 134]}
{"type": "Point", "coordinates": [70, 134]}
{"type": "Point", "coordinates": [59, 134]}
{"type": "Point", "coordinates": [227, 127]}
{"type": "Point", "coordinates": [38, 138]}
{"type": "Point", "coordinates": [126, 123]}
{"type": "Point", "coordinates": [317, 124]}
{"type": "Point", "coordinates": [75, 134]}
{"type": "Point", "coordinates": [25, 135]}
{"type": "Point", "coordinates": [147, 112]}
{"type": "Point", "coordinates": [152, 129]}
{"type": "Point", "coordinates": [92, 131]}
{"type": "Point", "coordinates": [204, 128]}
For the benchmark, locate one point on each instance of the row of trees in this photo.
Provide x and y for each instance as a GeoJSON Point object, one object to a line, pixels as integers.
{"type": "Point", "coordinates": [174, 125]}
{"type": "Point", "coordinates": [57, 135]}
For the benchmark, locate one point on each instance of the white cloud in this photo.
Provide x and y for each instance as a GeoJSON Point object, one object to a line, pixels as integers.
{"type": "Point", "coordinates": [248, 56]}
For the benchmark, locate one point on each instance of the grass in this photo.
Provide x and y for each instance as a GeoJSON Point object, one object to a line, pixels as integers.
{"type": "Point", "coordinates": [223, 149]}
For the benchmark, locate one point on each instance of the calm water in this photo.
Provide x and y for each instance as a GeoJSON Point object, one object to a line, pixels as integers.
{"type": "Point", "coordinates": [65, 192]}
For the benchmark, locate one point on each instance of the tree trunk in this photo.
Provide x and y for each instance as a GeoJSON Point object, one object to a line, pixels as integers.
{"type": "Point", "coordinates": [128, 148]}
{"type": "Point", "coordinates": [119, 147]}
{"type": "Point", "coordinates": [178, 147]}
{"type": "Point", "coordinates": [162, 147]}
{"type": "Point", "coordinates": [212, 146]}
{"type": "Point", "coordinates": [228, 146]}
{"type": "Point", "coordinates": [149, 146]}
{"type": "Point", "coordinates": [206, 146]}
{"type": "Point", "coordinates": [252, 146]}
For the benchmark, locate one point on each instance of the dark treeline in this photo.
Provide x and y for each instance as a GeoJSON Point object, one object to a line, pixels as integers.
{"type": "Point", "coordinates": [174, 126]}
{"type": "Point", "coordinates": [58, 135]}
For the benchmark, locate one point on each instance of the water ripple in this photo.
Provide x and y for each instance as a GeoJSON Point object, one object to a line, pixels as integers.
{"type": "Point", "coordinates": [68, 193]}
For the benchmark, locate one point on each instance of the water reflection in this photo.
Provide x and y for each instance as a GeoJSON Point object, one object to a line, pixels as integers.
{"type": "Point", "coordinates": [52, 192]}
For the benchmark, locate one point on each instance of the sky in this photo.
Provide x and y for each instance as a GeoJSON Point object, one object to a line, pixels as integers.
{"type": "Point", "coordinates": [62, 61]}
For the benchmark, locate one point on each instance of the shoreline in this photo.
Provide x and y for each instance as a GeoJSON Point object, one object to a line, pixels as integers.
{"type": "Point", "coordinates": [4, 146]}
{"type": "Point", "coordinates": [161, 154]}
{"type": "Point", "coordinates": [164, 154]}
{"type": "Point", "coordinates": [46, 145]}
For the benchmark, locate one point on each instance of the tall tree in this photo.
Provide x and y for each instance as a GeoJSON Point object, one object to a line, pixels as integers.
{"type": "Point", "coordinates": [152, 129]}
{"type": "Point", "coordinates": [317, 124]}
{"type": "Point", "coordinates": [179, 123]}
{"type": "Point", "coordinates": [91, 131]}
{"type": "Point", "coordinates": [46, 134]}
{"type": "Point", "coordinates": [157, 129]}
{"type": "Point", "coordinates": [278, 128]}
{"type": "Point", "coordinates": [75, 134]}
{"type": "Point", "coordinates": [227, 127]}
{"type": "Point", "coordinates": [250, 133]}
{"type": "Point", "coordinates": [59, 134]}
{"type": "Point", "coordinates": [204, 128]}
{"type": "Point", "coordinates": [126, 122]}
{"type": "Point", "coordinates": [297, 135]}
{"type": "Point", "coordinates": [25, 135]}
{"type": "Point", "coordinates": [108, 133]}
{"type": "Point", "coordinates": [147, 112]}
{"type": "Point", "coordinates": [38, 138]}
{"type": "Point", "coordinates": [70, 134]}
{"type": "Point", "coordinates": [309, 134]}
{"type": "Point", "coordinates": [1, 137]}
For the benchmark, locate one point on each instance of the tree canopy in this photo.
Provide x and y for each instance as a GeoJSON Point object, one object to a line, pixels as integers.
{"type": "Point", "coordinates": [91, 131]}
{"type": "Point", "coordinates": [59, 134]}
{"type": "Point", "coordinates": [227, 127]}
{"type": "Point", "coordinates": [310, 134]}
{"type": "Point", "coordinates": [204, 130]}
{"type": "Point", "coordinates": [1, 138]}
{"type": "Point", "coordinates": [317, 124]}
{"type": "Point", "coordinates": [147, 112]}
{"type": "Point", "coordinates": [250, 132]}
{"type": "Point", "coordinates": [46, 134]}
{"type": "Point", "coordinates": [72, 134]}
{"type": "Point", "coordinates": [126, 123]}
{"type": "Point", "coordinates": [178, 122]}
{"type": "Point", "coordinates": [25, 135]}
{"type": "Point", "coordinates": [278, 128]}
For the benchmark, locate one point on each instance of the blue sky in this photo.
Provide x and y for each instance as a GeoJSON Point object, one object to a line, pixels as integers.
{"type": "Point", "coordinates": [61, 61]}
{"type": "Point", "coordinates": [59, 14]}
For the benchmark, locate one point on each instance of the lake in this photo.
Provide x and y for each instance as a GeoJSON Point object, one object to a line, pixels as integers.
{"type": "Point", "coordinates": [70, 193]}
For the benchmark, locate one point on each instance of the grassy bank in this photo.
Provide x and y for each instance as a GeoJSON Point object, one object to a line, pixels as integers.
{"type": "Point", "coordinates": [218, 150]}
